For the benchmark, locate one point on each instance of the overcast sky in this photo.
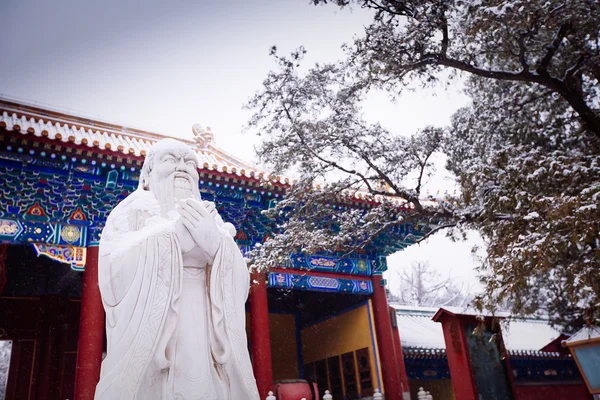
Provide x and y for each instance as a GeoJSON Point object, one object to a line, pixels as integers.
{"type": "Point", "coordinates": [163, 66]}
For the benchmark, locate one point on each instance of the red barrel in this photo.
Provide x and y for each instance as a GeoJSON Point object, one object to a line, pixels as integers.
{"type": "Point", "coordinates": [295, 389]}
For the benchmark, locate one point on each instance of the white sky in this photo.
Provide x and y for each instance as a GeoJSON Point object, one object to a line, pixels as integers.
{"type": "Point", "coordinates": [163, 66]}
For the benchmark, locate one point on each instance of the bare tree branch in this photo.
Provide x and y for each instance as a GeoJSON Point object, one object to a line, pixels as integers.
{"type": "Point", "coordinates": [435, 230]}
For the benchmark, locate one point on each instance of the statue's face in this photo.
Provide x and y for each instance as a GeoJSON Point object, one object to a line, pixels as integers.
{"type": "Point", "coordinates": [179, 163]}
{"type": "Point", "coordinates": [174, 174]}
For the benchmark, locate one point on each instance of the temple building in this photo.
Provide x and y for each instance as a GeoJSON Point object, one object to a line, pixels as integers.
{"type": "Point", "coordinates": [316, 317]}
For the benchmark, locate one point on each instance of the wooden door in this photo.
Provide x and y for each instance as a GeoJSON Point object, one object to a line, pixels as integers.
{"type": "Point", "coordinates": [22, 373]}
{"type": "Point", "coordinates": [349, 371]}
{"type": "Point", "coordinates": [364, 372]}
{"type": "Point", "coordinates": [335, 377]}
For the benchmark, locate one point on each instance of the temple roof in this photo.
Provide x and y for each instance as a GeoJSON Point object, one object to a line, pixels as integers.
{"type": "Point", "coordinates": [62, 126]}
{"type": "Point", "coordinates": [585, 334]}
{"type": "Point", "coordinates": [417, 329]}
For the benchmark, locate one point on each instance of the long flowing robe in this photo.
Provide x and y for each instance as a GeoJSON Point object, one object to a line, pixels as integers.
{"type": "Point", "coordinates": [144, 292]}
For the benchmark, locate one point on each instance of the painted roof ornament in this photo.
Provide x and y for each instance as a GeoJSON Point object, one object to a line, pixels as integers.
{"type": "Point", "coordinates": [203, 137]}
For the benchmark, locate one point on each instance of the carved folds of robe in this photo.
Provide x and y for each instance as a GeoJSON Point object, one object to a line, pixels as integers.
{"type": "Point", "coordinates": [173, 331]}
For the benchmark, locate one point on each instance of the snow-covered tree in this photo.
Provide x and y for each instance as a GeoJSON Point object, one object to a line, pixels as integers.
{"type": "Point", "coordinates": [526, 151]}
{"type": "Point", "coordinates": [530, 179]}
{"type": "Point", "coordinates": [421, 285]}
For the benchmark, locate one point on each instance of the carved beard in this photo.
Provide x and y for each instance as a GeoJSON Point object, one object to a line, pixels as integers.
{"type": "Point", "coordinates": [175, 187]}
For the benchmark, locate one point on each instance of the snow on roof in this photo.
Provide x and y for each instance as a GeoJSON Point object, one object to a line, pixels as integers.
{"type": "Point", "coordinates": [49, 122]}
{"type": "Point", "coordinates": [528, 334]}
{"type": "Point", "coordinates": [587, 333]}
{"type": "Point", "coordinates": [417, 329]}
{"type": "Point", "coordinates": [62, 126]}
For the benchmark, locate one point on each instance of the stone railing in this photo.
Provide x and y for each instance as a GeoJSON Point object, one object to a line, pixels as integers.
{"type": "Point", "coordinates": [376, 396]}
{"type": "Point", "coordinates": [423, 395]}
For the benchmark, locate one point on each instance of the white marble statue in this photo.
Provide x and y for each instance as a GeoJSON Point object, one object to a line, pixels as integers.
{"type": "Point", "coordinates": [173, 284]}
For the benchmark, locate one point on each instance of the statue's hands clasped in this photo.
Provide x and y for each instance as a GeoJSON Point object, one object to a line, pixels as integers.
{"type": "Point", "coordinates": [198, 218]}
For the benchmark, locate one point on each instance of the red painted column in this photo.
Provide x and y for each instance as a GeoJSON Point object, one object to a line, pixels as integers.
{"type": "Point", "coordinates": [457, 351]}
{"type": "Point", "coordinates": [91, 331]}
{"type": "Point", "coordinates": [399, 355]}
{"type": "Point", "coordinates": [261, 339]}
{"type": "Point", "coordinates": [385, 341]}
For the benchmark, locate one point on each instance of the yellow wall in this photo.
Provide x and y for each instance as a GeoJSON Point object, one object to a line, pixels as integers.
{"type": "Point", "coordinates": [343, 333]}
{"type": "Point", "coordinates": [284, 347]}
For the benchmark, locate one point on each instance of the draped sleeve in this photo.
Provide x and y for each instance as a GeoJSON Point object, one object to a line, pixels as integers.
{"type": "Point", "coordinates": [139, 276]}
{"type": "Point", "coordinates": [228, 291]}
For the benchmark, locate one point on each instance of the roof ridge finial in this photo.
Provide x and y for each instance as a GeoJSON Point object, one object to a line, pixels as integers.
{"type": "Point", "coordinates": [203, 137]}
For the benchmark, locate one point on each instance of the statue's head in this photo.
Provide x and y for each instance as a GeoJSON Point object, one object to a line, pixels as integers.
{"type": "Point", "coordinates": [170, 173]}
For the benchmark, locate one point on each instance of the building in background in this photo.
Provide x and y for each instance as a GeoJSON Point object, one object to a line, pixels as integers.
{"type": "Point", "coordinates": [537, 366]}
{"type": "Point", "coordinates": [316, 317]}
